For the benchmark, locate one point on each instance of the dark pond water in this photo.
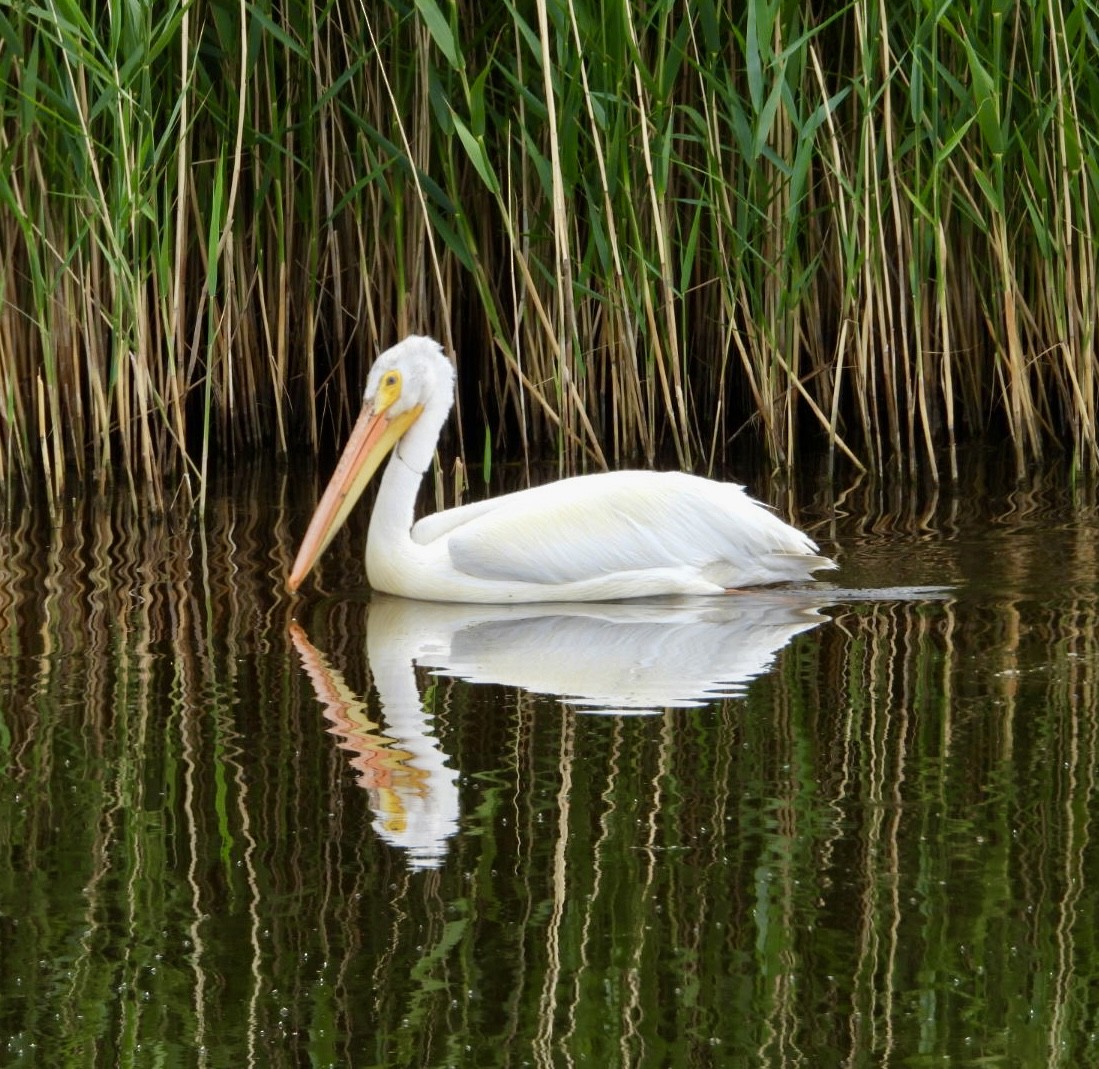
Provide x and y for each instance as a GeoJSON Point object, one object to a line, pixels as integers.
{"type": "Point", "coordinates": [800, 828]}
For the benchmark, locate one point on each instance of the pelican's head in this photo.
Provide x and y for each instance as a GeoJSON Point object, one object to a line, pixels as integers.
{"type": "Point", "coordinates": [413, 373]}
{"type": "Point", "coordinates": [408, 380]}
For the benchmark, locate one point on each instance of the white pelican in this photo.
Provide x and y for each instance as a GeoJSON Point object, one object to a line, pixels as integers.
{"type": "Point", "coordinates": [602, 537]}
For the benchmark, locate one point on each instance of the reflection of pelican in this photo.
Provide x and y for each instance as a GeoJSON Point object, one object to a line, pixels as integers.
{"type": "Point", "coordinates": [412, 792]}
{"type": "Point", "coordinates": [629, 657]}
{"type": "Point", "coordinates": [633, 656]}
{"type": "Point", "coordinates": [597, 537]}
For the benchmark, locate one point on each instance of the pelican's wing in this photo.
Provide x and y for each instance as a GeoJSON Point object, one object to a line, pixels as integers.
{"type": "Point", "coordinates": [437, 524]}
{"type": "Point", "coordinates": [599, 525]}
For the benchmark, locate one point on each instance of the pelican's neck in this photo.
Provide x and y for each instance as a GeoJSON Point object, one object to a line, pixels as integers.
{"type": "Point", "coordinates": [391, 521]}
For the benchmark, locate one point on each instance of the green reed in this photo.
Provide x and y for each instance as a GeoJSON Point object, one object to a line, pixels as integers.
{"type": "Point", "coordinates": [644, 230]}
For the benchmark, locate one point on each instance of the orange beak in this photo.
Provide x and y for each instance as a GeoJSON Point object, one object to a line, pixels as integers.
{"type": "Point", "coordinates": [372, 437]}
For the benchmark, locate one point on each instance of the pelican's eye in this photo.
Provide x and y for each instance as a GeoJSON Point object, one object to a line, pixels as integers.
{"type": "Point", "coordinates": [389, 390]}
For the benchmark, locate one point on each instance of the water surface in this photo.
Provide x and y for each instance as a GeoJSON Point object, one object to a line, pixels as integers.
{"type": "Point", "coordinates": [801, 828]}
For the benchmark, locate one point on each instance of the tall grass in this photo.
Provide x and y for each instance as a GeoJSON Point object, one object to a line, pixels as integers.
{"type": "Point", "coordinates": [644, 229]}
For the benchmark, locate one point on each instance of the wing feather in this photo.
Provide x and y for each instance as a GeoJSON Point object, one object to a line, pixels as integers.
{"type": "Point", "coordinates": [598, 525]}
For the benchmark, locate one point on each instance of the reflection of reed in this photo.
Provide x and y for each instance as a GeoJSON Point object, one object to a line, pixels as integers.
{"type": "Point", "coordinates": [125, 749]}
{"type": "Point", "coordinates": [883, 846]}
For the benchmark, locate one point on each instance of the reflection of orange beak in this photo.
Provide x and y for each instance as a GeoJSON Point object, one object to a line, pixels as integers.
{"type": "Point", "coordinates": [385, 769]}
{"type": "Point", "coordinates": [373, 436]}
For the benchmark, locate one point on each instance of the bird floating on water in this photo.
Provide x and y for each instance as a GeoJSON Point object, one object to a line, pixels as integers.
{"type": "Point", "coordinates": [600, 537]}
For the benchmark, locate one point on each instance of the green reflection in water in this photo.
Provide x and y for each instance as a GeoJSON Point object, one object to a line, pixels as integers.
{"type": "Point", "coordinates": [881, 853]}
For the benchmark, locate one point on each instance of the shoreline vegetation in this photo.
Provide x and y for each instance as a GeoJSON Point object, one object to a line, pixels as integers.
{"type": "Point", "coordinates": [646, 230]}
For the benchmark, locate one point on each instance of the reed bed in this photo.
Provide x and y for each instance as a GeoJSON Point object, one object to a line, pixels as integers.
{"type": "Point", "coordinates": [643, 229]}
